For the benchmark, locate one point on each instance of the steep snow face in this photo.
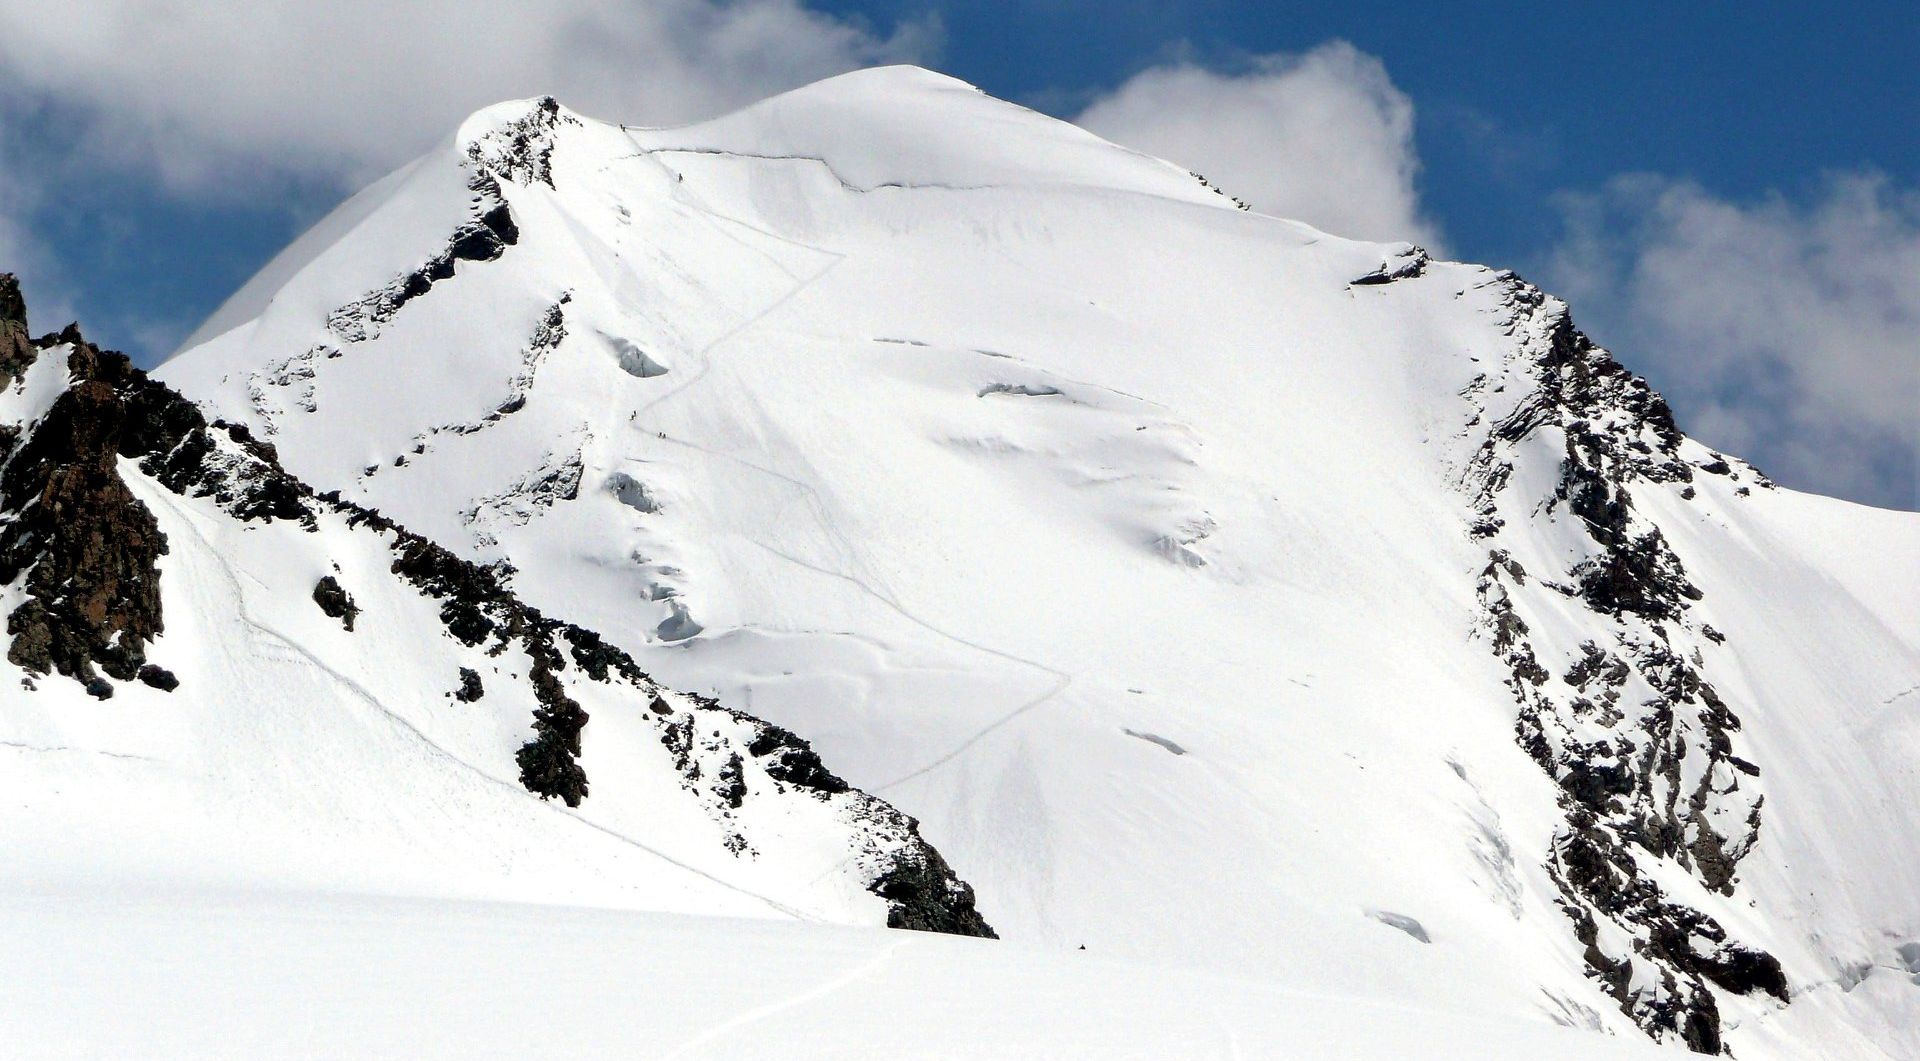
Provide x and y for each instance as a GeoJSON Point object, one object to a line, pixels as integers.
{"type": "Point", "coordinates": [1165, 559]}
{"type": "Point", "coordinates": [214, 677]}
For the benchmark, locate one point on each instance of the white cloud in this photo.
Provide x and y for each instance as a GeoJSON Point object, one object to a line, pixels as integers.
{"type": "Point", "coordinates": [1323, 137]}
{"type": "Point", "coordinates": [218, 94]}
{"type": "Point", "coordinates": [1786, 332]}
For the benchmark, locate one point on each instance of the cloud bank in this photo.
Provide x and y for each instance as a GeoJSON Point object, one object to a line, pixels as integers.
{"type": "Point", "coordinates": [215, 95]}
{"type": "Point", "coordinates": [1322, 137]}
{"type": "Point", "coordinates": [1786, 332]}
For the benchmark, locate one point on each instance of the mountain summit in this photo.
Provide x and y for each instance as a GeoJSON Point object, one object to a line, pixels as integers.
{"type": "Point", "coordinates": [1216, 591]}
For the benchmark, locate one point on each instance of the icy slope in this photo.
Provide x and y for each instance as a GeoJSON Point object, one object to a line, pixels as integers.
{"type": "Point", "coordinates": [213, 676]}
{"type": "Point", "coordinates": [1218, 592]}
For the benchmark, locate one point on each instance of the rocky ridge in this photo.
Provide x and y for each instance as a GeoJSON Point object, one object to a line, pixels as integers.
{"type": "Point", "coordinates": [84, 555]}
{"type": "Point", "coordinates": [1626, 721]}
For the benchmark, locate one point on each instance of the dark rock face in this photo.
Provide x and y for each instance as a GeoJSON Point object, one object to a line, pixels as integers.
{"type": "Point", "coordinates": [1406, 266]}
{"type": "Point", "coordinates": [927, 897]}
{"type": "Point", "coordinates": [521, 150]}
{"type": "Point", "coordinates": [88, 550]}
{"type": "Point", "coordinates": [483, 239]}
{"type": "Point", "coordinates": [470, 688]}
{"type": "Point", "coordinates": [788, 758]}
{"type": "Point", "coordinates": [334, 602]}
{"type": "Point", "coordinates": [921, 890]}
{"type": "Point", "coordinates": [599, 659]}
{"type": "Point", "coordinates": [1660, 777]}
{"type": "Point", "coordinates": [17, 351]}
{"type": "Point", "coordinates": [550, 762]}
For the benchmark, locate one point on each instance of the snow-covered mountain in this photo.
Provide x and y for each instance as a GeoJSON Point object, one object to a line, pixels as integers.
{"type": "Point", "coordinates": [214, 677]}
{"type": "Point", "coordinates": [1218, 593]}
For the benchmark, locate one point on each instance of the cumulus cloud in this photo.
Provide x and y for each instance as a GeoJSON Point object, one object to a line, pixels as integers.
{"type": "Point", "coordinates": [215, 95]}
{"type": "Point", "coordinates": [1788, 332]}
{"type": "Point", "coordinates": [1323, 137]}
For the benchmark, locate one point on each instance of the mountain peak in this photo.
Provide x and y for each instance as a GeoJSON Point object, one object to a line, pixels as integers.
{"type": "Point", "coordinates": [1033, 480]}
{"type": "Point", "coordinates": [909, 127]}
{"type": "Point", "coordinates": [896, 79]}
{"type": "Point", "coordinates": [13, 308]}
{"type": "Point", "coordinates": [515, 140]}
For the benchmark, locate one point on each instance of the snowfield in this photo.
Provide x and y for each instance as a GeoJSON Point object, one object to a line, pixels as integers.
{"type": "Point", "coordinates": [1346, 653]}
{"type": "Point", "coordinates": [208, 974]}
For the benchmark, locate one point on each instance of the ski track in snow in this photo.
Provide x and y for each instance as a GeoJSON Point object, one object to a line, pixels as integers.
{"type": "Point", "coordinates": [1061, 679]}
{"type": "Point", "coordinates": [433, 748]}
{"type": "Point", "coordinates": [77, 751]}
{"type": "Point", "coordinates": [760, 1013]}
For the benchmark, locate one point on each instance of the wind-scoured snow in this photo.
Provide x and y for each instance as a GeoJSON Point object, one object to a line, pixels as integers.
{"type": "Point", "coordinates": [1000, 462]}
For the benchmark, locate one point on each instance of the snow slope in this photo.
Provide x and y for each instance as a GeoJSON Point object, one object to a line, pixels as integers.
{"type": "Point", "coordinates": [1159, 556]}
{"type": "Point", "coordinates": [202, 975]}
{"type": "Point", "coordinates": [246, 735]}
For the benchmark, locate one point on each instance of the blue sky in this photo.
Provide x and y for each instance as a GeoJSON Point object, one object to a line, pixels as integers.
{"type": "Point", "coordinates": [1745, 99]}
{"type": "Point", "coordinates": [1729, 197]}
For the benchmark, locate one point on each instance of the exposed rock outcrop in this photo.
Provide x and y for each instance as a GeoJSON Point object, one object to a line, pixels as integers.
{"type": "Point", "coordinates": [335, 602]}
{"type": "Point", "coordinates": [1638, 740]}
{"type": "Point", "coordinates": [518, 151]}
{"type": "Point", "coordinates": [482, 239]}
{"type": "Point", "coordinates": [16, 347]}
{"type": "Point", "coordinates": [82, 548]}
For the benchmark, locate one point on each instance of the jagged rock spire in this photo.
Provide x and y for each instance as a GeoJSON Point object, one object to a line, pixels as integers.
{"type": "Point", "coordinates": [16, 350]}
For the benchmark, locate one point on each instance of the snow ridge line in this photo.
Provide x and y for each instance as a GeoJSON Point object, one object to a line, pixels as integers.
{"type": "Point", "coordinates": [1234, 204]}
